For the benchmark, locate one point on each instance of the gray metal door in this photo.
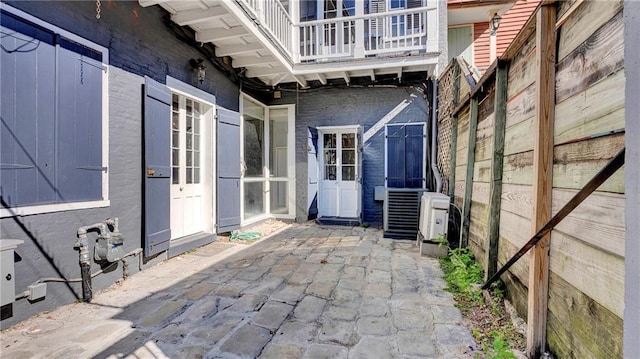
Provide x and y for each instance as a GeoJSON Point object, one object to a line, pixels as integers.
{"type": "Point", "coordinates": [157, 167]}
{"type": "Point", "coordinates": [228, 158]}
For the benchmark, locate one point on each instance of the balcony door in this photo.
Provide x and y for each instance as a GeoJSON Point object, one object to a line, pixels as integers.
{"type": "Point", "coordinates": [339, 192]}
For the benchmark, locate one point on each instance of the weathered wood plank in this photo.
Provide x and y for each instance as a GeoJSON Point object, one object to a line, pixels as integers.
{"type": "Point", "coordinates": [484, 149]}
{"type": "Point", "coordinates": [485, 127]}
{"type": "Point", "coordinates": [464, 87]}
{"type": "Point", "coordinates": [461, 156]}
{"type": "Point", "coordinates": [599, 56]}
{"type": "Point", "coordinates": [542, 182]}
{"type": "Point", "coordinates": [518, 199]}
{"type": "Point", "coordinates": [466, 210]}
{"type": "Point", "coordinates": [519, 138]}
{"type": "Point", "coordinates": [522, 75]}
{"type": "Point", "coordinates": [576, 163]}
{"type": "Point", "coordinates": [598, 109]}
{"type": "Point", "coordinates": [482, 171]}
{"type": "Point", "coordinates": [520, 269]}
{"type": "Point", "coordinates": [512, 228]}
{"type": "Point", "coordinates": [521, 106]}
{"type": "Point", "coordinates": [526, 49]}
{"type": "Point", "coordinates": [565, 6]}
{"type": "Point", "coordinates": [582, 23]}
{"type": "Point", "coordinates": [480, 192]}
{"type": "Point", "coordinates": [598, 221]}
{"type": "Point", "coordinates": [598, 274]}
{"type": "Point", "coordinates": [460, 187]}
{"type": "Point", "coordinates": [485, 108]}
{"type": "Point", "coordinates": [518, 168]}
{"type": "Point", "coordinates": [578, 326]}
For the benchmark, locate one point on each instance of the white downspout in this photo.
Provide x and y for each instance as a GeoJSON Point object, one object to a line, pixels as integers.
{"type": "Point", "coordinates": [434, 135]}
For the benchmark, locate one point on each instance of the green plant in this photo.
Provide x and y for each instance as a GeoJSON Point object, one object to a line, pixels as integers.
{"type": "Point", "coordinates": [500, 348]}
{"type": "Point", "coordinates": [462, 273]}
{"type": "Point", "coordinates": [441, 240]}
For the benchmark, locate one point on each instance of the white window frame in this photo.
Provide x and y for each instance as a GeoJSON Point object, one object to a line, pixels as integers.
{"type": "Point", "coordinates": [58, 207]}
{"type": "Point", "coordinates": [266, 178]}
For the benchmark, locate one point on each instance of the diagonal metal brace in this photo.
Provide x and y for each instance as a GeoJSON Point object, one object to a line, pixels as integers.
{"type": "Point", "coordinates": [588, 188]}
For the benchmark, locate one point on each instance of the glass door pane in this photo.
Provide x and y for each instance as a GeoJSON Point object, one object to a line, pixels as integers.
{"type": "Point", "coordinates": [278, 136]}
{"type": "Point", "coordinates": [330, 156]}
{"type": "Point", "coordinates": [348, 164]}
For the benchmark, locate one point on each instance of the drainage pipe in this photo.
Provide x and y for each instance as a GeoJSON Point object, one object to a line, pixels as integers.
{"type": "Point", "coordinates": [434, 136]}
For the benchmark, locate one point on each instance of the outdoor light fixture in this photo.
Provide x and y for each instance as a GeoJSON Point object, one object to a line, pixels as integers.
{"type": "Point", "coordinates": [494, 23]}
{"type": "Point", "coordinates": [199, 69]}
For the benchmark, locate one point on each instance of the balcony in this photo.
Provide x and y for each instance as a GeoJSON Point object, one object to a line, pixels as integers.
{"type": "Point", "coordinates": [266, 38]}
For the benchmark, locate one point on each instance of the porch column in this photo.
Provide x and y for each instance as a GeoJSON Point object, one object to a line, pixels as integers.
{"type": "Point", "coordinates": [294, 12]}
{"type": "Point", "coordinates": [358, 51]}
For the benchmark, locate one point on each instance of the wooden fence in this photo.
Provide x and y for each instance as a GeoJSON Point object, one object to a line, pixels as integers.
{"type": "Point", "coordinates": [540, 123]}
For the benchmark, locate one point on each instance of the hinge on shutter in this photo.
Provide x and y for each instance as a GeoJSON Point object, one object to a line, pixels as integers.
{"type": "Point", "coordinates": [92, 168]}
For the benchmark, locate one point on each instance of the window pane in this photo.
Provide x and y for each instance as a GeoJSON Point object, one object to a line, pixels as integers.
{"type": "Point", "coordinates": [175, 175]}
{"type": "Point", "coordinates": [329, 140]}
{"type": "Point", "coordinates": [189, 158]}
{"type": "Point", "coordinates": [189, 124]}
{"type": "Point", "coordinates": [189, 142]}
{"type": "Point", "coordinates": [174, 102]}
{"type": "Point", "coordinates": [196, 159]}
{"type": "Point", "coordinates": [253, 146]}
{"type": "Point", "coordinates": [175, 141]}
{"type": "Point", "coordinates": [279, 203]}
{"type": "Point", "coordinates": [348, 173]}
{"type": "Point", "coordinates": [189, 107]}
{"type": "Point", "coordinates": [175, 157]}
{"type": "Point", "coordinates": [330, 172]}
{"type": "Point", "coordinates": [253, 199]}
{"type": "Point", "coordinates": [349, 140]}
{"type": "Point", "coordinates": [330, 157]}
{"type": "Point", "coordinates": [278, 133]}
{"type": "Point", "coordinates": [196, 108]}
{"type": "Point", "coordinates": [348, 157]}
{"type": "Point", "coordinates": [196, 175]}
{"type": "Point", "coordinates": [175, 120]}
{"type": "Point", "coordinates": [196, 142]}
{"type": "Point", "coordinates": [189, 175]}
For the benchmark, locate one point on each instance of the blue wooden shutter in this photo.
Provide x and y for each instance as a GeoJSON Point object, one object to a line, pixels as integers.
{"type": "Point", "coordinates": [228, 158]}
{"type": "Point", "coordinates": [27, 113]}
{"type": "Point", "coordinates": [405, 147]}
{"type": "Point", "coordinates": [157, 167]}
{"type": "Point", "coordinates": [79, 156]}
{"type": "Point", "coordinates": [395, 156]}
{"type": "Point", "coordinates": [414, 171]}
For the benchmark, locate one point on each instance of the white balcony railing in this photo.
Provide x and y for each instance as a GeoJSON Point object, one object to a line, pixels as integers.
{"type": "Point", "coordinates": [350, 37]}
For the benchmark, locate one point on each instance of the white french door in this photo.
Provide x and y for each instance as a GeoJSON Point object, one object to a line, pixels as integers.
{"type": "Point", "coordinates": [186, 166]}
{"type": "Point", "coordinates": [339, 192]}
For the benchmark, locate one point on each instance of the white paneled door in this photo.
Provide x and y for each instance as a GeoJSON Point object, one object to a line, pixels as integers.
{"type": "Point", "coordinates": [186, 166]}
{"type": "Point", "coordinates": [339, 193]}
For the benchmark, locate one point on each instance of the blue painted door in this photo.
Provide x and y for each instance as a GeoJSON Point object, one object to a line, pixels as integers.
{"type": "Point", "coordinates": [405, 156]}
{"type": "Point", "coordinates": [228, 158]}
{"type": "Point", "coordinates": [157, 167]}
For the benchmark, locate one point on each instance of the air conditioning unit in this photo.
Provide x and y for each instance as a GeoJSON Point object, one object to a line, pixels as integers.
{"type": "Point", "coordinates": [434, 217]}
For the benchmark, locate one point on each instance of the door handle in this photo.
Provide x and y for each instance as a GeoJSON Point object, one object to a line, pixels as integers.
{"type": "Point", "coordinates": [181, 188]}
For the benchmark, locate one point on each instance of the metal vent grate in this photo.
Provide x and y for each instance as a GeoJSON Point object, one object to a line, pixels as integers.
{"type": "Point", "coordinates": [402, 212]}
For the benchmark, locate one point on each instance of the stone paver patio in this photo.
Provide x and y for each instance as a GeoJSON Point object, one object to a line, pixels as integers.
{"type": "Point", "coordinates": [306, 292]}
